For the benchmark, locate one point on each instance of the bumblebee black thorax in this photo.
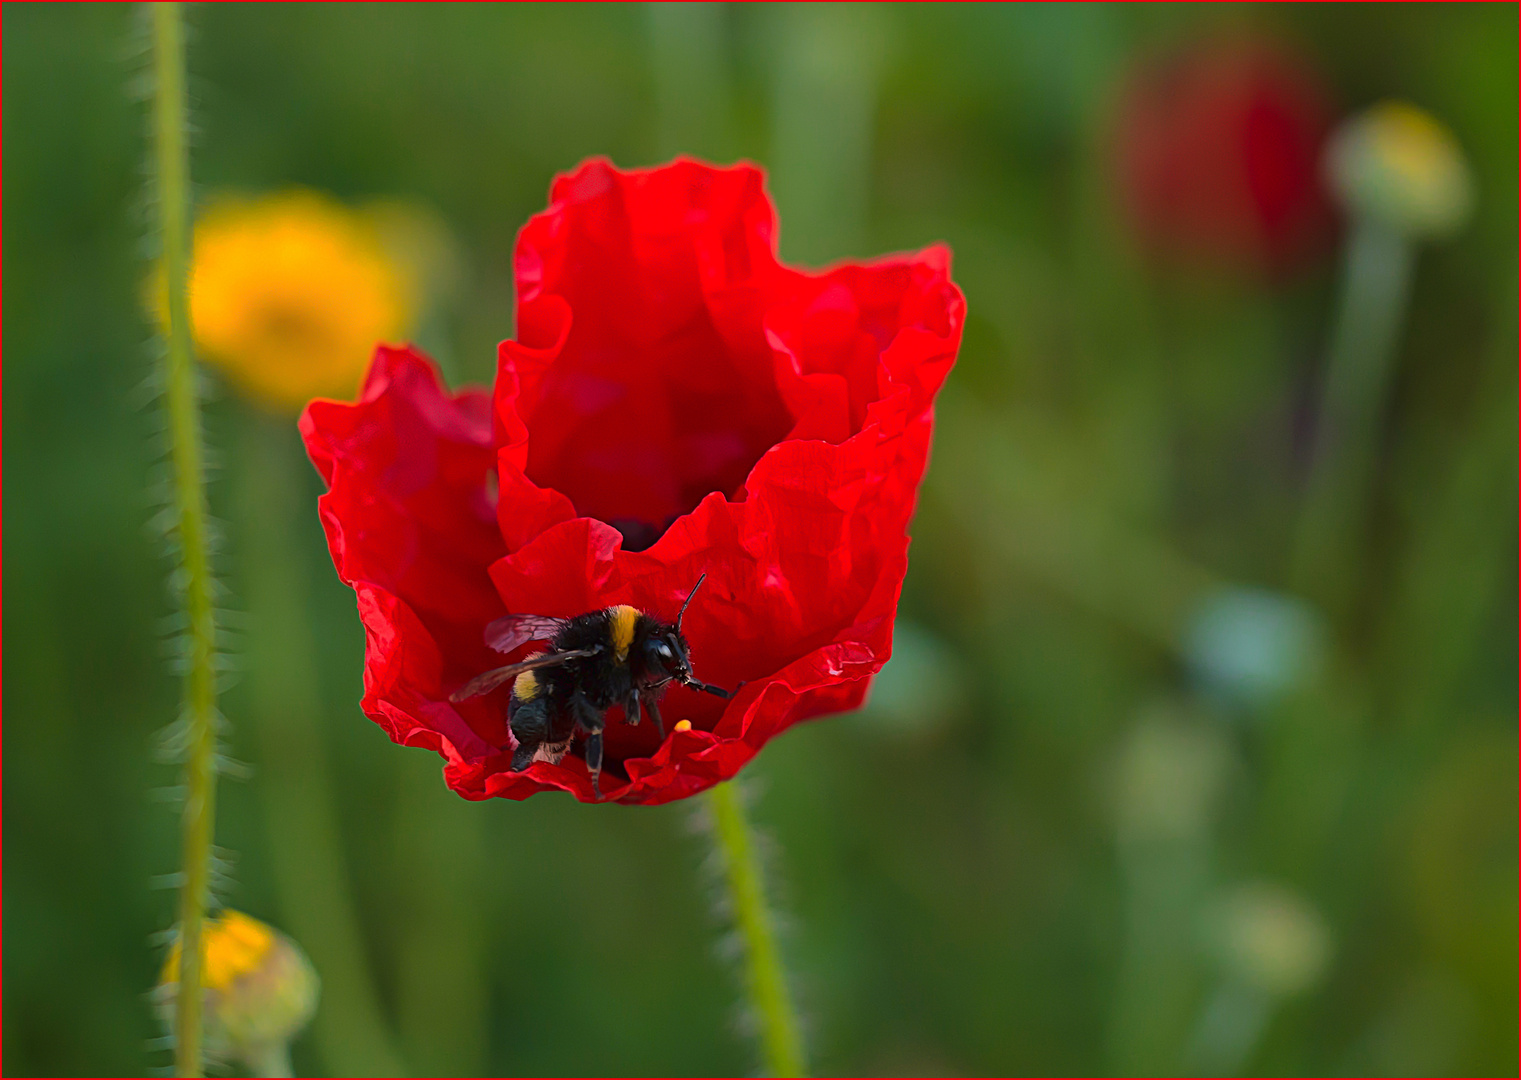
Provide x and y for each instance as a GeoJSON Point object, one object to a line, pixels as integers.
{"type": "Point", "coordinates": [620, 634]}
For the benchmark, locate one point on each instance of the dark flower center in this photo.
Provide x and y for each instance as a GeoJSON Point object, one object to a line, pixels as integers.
{"type": "Point", "coordinates": [289, 328]}
{"type": "Point", "coordinates": [639, 535]}
{"type": "Point", "coordinates": [638, 434]}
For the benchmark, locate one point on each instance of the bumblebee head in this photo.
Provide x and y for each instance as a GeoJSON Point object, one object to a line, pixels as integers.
{"type": "Point", "coordinates": [666, 657]}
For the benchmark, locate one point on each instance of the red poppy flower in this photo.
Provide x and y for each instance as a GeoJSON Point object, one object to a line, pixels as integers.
{"type": "Point", "coordinates": [677, 403]}
{"type": "Point", "coordinates": [1219, 156]}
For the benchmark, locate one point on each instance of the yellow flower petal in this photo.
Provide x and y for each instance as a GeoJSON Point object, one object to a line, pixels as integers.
{"type": "Point", "coordinates": [290, 294]}
{"type": "Point", "coordinates": [233, 945]}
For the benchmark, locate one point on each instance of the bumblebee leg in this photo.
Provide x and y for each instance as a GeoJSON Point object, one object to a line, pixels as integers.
{"type": "Point", "coordinates": [562, 726]}
{"type": "Point", "coordinates": [594, 759]}
{"type": "Point", "coordinates": [589, 719]}
{"type": "Point", "coordinates": [651, 704]}
{"type": "Point", "coordinates": [530, 726]}
{"type": "Point", "coordinates": [631, 707]}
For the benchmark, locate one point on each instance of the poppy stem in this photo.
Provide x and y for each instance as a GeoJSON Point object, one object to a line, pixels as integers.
{"type": "Point", "coordinates": [1370, 312]}
{"type": "Point", "coordinates": [765, 981]}
{"type": "Point", "coordinates": [172, 171]}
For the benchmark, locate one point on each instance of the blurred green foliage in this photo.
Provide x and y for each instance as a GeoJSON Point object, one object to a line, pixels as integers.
{"type": "Point", "coordinates": [1016, 859]}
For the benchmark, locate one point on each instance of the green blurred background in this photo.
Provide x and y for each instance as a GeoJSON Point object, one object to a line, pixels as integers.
{"type": "Point", "coordinates": [1059, 840]}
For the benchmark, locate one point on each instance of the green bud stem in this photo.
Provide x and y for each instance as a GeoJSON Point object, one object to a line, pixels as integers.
{"type": "Point", "coordinates": [1375, 287]}
{"type": "Point", "coordinates": [765, 981]}
{"type": "Point", "coordinates": [172, 169]}
{"type": "Point", "coordinates": [270, 1059]}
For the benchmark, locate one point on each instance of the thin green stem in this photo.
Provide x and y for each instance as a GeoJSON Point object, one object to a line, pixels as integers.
{"type": "Point", "coordinates": [269, 1059]}
{"type": "Point", "coordinates": [172, 160]}
{"type": "Point", "coordinates": [1370, 313]}
{"type": "Point", "coordinates": [765, 981]}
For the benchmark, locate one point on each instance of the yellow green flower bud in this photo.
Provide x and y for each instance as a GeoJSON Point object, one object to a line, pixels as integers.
{"type": "Point", "coordinates": [1399, 165]}
{"type": "Point", "coordinates": [260, 991]}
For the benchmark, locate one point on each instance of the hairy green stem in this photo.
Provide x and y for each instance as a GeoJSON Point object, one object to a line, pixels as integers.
{"type": "Point", "coordinates": [172, 161]}
{"type": "Point", "coordinates": [765, 981]}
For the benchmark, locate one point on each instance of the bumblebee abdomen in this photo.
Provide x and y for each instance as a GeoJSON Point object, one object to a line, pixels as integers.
{"type": "Point", "coordinates": [526, 686]}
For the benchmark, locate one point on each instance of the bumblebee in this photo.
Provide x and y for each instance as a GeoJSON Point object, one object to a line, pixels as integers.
{"type": "Point", "coordinates": [614, 656]}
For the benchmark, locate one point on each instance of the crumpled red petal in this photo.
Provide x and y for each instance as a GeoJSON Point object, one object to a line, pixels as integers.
{"type": "Point", "coordinates": [673, 382]}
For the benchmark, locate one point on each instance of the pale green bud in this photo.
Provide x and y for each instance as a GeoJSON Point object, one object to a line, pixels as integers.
{"type": "Point", "coordinates": [1269, 938]}
{"type": "Point", "coordinates": [1169, 776]}
{"type": "Point", "coordinates": [1398, 165]}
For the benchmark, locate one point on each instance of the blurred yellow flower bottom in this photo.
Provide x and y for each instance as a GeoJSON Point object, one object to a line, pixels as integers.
{"type": "Point", "coordinates": [290, 293]}
{"type": "Point", "coordinates": [235, 945]}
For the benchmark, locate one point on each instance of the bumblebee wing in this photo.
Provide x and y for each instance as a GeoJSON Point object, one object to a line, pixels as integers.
{"type": "Point", "coordinates": [510, 631]}
{"type": "Point", "coordinates": [485, 683]}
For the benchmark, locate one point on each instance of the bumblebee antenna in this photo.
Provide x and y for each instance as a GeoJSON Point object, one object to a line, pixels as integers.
{"type": "Point", "coordinates": [691, 594]}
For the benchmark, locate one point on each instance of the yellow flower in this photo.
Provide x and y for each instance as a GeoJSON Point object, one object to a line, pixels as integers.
{"type": "Point", "coordinates": [260, 988]}
{"type": "Point", "coordinates": [290, 293]}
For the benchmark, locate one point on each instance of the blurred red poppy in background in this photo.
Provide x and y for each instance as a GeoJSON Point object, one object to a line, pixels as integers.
{"type": "Point", "coordinates": [677, 403]}
{"type": "Point", "coordinates": [1218, 151]}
